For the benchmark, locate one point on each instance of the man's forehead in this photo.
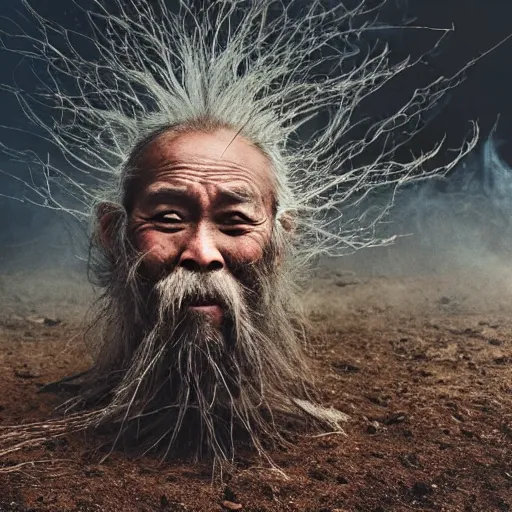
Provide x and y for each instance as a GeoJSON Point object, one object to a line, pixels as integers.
{"type": "Point", "coordinates": [229, 166]}
{"type": "Point", "coordinates": [221, 156]}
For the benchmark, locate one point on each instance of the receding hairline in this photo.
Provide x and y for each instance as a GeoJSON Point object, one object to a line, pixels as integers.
{"type": "Point", "coordinates": [132, 169]}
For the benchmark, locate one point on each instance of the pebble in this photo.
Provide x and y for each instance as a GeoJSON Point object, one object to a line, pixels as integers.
{"type": "Point", "coordinates": [26, 373]}
{"type": "Point", "coordinates": [229, 505]}
{"type": "Point", "coordinates": [44, 320]}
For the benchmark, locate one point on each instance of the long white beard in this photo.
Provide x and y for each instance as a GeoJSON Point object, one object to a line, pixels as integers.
{"type": "Point", "coordinates": [221, 378]}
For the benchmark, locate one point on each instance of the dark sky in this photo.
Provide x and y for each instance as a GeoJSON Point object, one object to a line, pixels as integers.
{"type": "Point", "coordinates": [478, 26]}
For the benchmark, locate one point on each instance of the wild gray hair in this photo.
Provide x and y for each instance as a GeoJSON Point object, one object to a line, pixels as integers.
{"type": "Point", "coordinates": [267, 69]}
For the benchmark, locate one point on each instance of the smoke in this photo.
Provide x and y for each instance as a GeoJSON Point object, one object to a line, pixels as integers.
{"type": "Point", "coordinates": [469, 212]}
{"type": "Point", "coordinates": [461, 221]}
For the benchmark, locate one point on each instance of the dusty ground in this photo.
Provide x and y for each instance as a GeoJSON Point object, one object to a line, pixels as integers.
{"type": "Point", "coordinates": [422, 365]}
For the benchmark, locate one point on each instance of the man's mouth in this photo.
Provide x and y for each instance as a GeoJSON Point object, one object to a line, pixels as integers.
{"type": "Point", "coordinates": [204, 306]}
{"type": "Point", "coordinates": [213, 309]}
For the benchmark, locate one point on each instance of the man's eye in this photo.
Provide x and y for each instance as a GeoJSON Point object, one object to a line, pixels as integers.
{"type": "Point", "coordinates": [235, 218]}
{"type": "Point", "coordinates": [168, 218]}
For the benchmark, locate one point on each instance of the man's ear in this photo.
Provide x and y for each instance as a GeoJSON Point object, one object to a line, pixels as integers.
{"type": "Point", "coordinates": [287, 221]}
{"type": "Point", "coordinates": [108, 216]}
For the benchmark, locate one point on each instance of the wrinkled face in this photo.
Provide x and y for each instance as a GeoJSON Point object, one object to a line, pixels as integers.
{"type": "Point", "coordinates": [204, 203]}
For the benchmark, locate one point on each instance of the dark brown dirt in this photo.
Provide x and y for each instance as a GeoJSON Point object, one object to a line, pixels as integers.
{"type": "Point", "coordinates": [421, 365]}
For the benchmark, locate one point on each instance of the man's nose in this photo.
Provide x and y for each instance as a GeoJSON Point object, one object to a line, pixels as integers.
{"type": "Point", "coordinates": [201, 253]}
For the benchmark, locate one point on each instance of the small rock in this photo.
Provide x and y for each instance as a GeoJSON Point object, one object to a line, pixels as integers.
{"type": "Point", "coordinates": [52, 322]}
{"type": "Point", "coordinates": [26, 373]}
{"type": "Point", "coordinates": [396, 417]}
{"type": "Point", "coordinates": [372, 428]}
{"type": "Point", "coordinates": [318, 474]}
{"type": "Point", "coordinates": [44, 320]}
{"type": "Point", "coordinates": [345, 367]}
{"type": "Point", "coordinates": [229, 505]}
{"type": "Point", "coordinates": [444, 300]}
{"type": "Point", "coordinates": [495, 342]}
{"type": "Point", "coordinates": [35, 319]}
{"type": "Point", "coordinates": [421, 489]}
{"type": "Point", "coordinates": [347, 282]}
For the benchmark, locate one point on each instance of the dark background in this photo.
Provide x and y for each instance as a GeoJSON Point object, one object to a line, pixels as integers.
{"type": "Point", "coordinates": [484, 96]}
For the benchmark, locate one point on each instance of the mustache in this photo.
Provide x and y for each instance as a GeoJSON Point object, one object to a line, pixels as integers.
{"type": "Point", "coordinates": [182, 288]}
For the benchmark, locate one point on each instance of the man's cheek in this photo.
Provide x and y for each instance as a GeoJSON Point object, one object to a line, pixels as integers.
{"type": "Point", "coordinates": [155, 248]}
{"type": "Point", "coordinates": [248, 248]}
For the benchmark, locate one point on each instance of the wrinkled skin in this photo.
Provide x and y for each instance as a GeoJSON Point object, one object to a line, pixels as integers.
{"type": "Point", "coordinates": [204, 202]}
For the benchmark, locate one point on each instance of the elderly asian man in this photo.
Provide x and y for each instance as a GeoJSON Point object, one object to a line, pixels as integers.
{"type": "Point", "coordinates": [214, 149]}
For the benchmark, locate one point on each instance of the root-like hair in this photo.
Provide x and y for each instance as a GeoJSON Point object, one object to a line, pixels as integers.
{"type": "Point", "coordinates": [267, 69]}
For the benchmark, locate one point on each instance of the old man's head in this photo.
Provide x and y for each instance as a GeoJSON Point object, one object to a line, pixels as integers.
{"type": "Point", "coordinates": [201, 332]}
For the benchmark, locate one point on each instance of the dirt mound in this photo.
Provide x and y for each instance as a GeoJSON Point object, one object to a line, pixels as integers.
{"type": "Point", "coordinates": [421, 364]}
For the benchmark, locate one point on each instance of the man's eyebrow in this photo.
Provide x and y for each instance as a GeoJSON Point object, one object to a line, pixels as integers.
{"type": "Point", "coordinates": [237, 195]}
{"type": "Point", "coordinates": [164, 193]}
